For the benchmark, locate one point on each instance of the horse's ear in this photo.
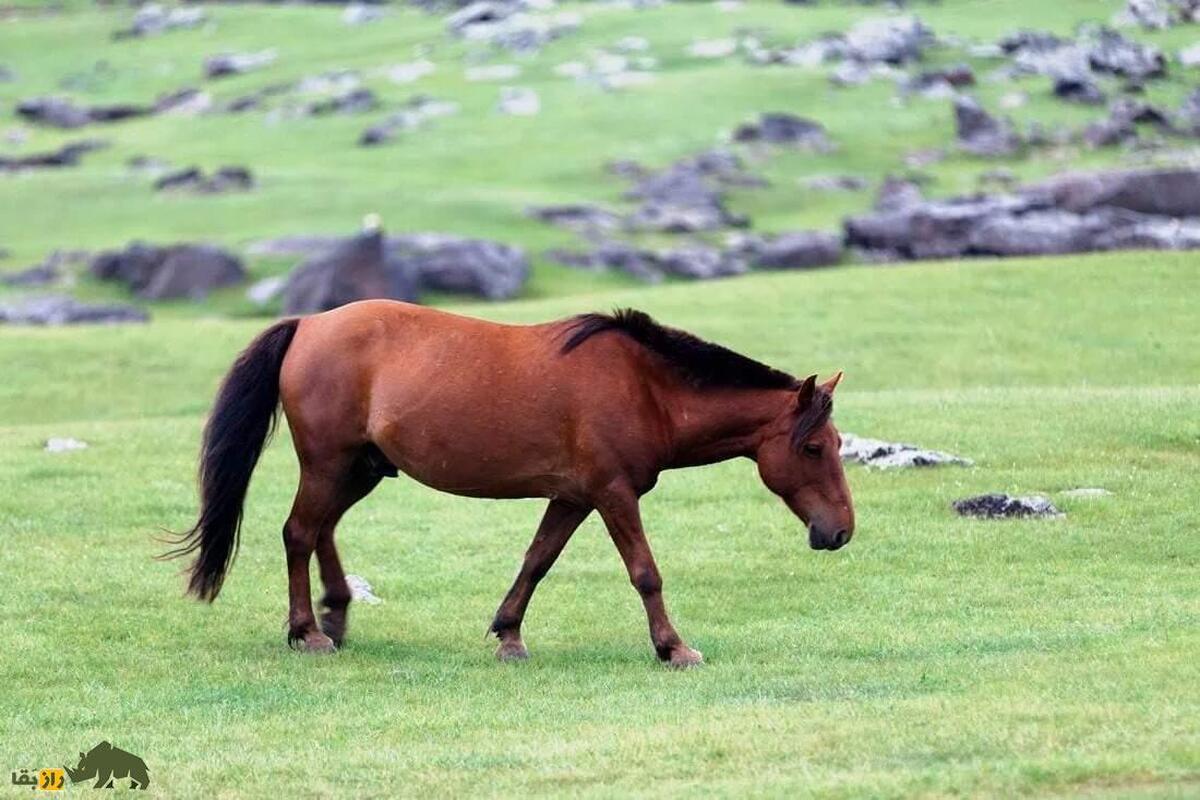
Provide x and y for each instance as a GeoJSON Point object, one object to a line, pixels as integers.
{"type": "Point", "coordinates": [805, 396]}
{"type": "Point", "coordinates": [832, 383]}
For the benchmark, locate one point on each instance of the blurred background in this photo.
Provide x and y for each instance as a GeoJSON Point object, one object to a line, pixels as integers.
{"type": "Point", "coordinates": [189, 158]}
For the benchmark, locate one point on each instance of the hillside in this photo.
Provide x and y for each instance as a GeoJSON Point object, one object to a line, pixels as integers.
{"type": "Point", "coordinates": [476, 171]}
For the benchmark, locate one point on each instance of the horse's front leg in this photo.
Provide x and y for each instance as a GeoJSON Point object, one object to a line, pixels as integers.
{"type": "Point", "coordinates": [558, 523]}
{"type": "Point", "coordinates": [619, 508]}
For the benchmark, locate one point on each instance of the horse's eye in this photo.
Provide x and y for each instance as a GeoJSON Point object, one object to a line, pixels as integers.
{"type": "Point", "coordinates": [811, 449]}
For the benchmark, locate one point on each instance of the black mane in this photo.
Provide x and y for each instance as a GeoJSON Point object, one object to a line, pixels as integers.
{"type": "Point", "coordinates": [701, 363]}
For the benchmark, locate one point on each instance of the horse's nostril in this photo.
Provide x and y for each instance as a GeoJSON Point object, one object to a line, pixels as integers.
{"type": "Point", "coordinates": [840, 538]}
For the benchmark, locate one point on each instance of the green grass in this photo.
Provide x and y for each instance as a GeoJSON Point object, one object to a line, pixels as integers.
{"type": "Point", "coordinates": [932, 657]}
{"type": "Point", "coordinates": [475, 173]}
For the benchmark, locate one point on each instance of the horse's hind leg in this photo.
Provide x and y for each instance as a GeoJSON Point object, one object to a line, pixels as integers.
{"type": "Point", "coordinates": [328, 487]}
{"type": "Point", "coordinates": [357, 483]}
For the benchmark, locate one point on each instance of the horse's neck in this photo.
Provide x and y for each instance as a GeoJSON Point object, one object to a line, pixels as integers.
{"type": "Point", "coordinates": [711, 425]}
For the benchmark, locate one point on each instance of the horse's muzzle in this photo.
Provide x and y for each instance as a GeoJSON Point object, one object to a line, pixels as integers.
{"type": "Point", "coordinates": [819, 539]}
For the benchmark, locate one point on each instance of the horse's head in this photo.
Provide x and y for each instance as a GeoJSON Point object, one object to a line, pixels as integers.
{"type": "Point", "coordinates": [799, 460]}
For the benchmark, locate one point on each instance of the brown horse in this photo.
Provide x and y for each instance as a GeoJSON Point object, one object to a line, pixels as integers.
{"type": "Point", "coordinates": [585, 412]}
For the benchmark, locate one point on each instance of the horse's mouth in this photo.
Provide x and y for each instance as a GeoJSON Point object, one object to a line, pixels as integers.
{"type": "Point", "coordinates": [819, 540]}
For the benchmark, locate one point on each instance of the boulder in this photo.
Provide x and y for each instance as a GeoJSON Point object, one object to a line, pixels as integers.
{"type": "Point", "coordinates": [786, 129]}
{"type": "Point", "coordinates": [879, 454]}
{"type": "Point", "coordinates": [354, 101]}
{"type": "Point", "coordinates": [1050, 232]}
{"type": "Point", "coordinates": [225, 65]}
{"type": "Point", "coordinates": [981, 134]}
{"type": "Point", "coordinates": [476, 267]}
{"type": "Point", "coordinates": [935, 229]}
{"type": "Point", "coordinates": [1112, 53]}
{"type": "Point", "coordinates": [997, 506]}
{"type": "Point", "coordinates": [193, 179]}
{"type": "Point", "coordinates": [700, 262]}
{"type": "Point", "coordinates": [898, 193]}
{"type": "Point", "coordinates": [56, 112]}
{"type": "Point", "coordinates": [890, 40]}
{"type": "Point", "coordinates": [578, 217]}
{"type": "Point", "coordinates": [66, 156]}
{"type": "Point", "coordinates": [1190, 56]}
{"type": "Point", "coordinates": [171, 272]}
{"type": "Point", "coordinates": [1078, 90]}
{"type": "Point", "coordinates": [645, 265]}
{"type": "Point", "coordinates": [416, 112]}
{"type": "Point", "coordinates": [153, 19]}
{"type": "Point", "coordinates": [62, 310]}
{"type": "Point", "coordinates": [1189, 114]}
{"type": "Point", "coordinates": [357, 268]}
{"type": "Point", "coordinates": [799, 250]}
{"type": "Point", "coordinates": [1170, 192]}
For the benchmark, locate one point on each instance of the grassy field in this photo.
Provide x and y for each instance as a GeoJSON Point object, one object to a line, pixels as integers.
{"type": "Point", "coordinates": [932, 657]}
{"type": "Point", "coordinates": [475, 173]}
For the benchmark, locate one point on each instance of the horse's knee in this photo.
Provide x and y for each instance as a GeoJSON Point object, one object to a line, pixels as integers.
{"type": "Point", "coordinates": [646, 580]}
{"type": "Point", "coordinates": [297, 538]}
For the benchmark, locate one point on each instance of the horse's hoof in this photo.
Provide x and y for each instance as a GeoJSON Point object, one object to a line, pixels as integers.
{"type": "Point", "coordinates": [684, 657]}
{"type": "Point", "coordinates": [315, 642]}
{"type": "Point", "coordinates": [512, 651]}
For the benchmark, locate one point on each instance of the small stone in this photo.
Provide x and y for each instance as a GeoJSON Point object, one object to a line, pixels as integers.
{"type": "Point", "coordinates": [998, 506]}
{"type": "Point", "coordinates": [519, 101]}
{"type": "Point", "coordinates": [361, 590]}
{"type": "Point", "coordinates": [879, 454]}
{"type": "Point", "coordinates": [64, 445]}
{"type": "Point", "coordinates": [1087, 493]}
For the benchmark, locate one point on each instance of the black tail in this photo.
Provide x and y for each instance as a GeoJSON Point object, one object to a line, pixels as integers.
{"type": "Point", "coordinates": [241, 423]}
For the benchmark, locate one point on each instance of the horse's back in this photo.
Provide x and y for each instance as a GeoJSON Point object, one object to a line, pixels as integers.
{"type": "Point", "coordinates": [462, 404]}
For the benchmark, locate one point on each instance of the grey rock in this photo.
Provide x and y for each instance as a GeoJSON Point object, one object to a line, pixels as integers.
{"type": "Point", "coordinates": [891, 40]}
{"type": "Point", "coordinates": [362, 14]}
{"type": "Point", "coordinates": [62, 310]}
{"type": "Point", "coordinates": [64, 444]}
{"type": "Point", "coordinates": [879, 454]}
{"type": "Point", "coordinates": [835, 183]}
{"type": "Point", "coordinates": [799, 250]}
{"type": "Point", "coordinates": [642, 264]}
{"type": "Point", "coordinates": [700, 263]}
{"type": "Point", "coordinates": [56, 112]}
{"type": "Point", "coordinates": [361, 591]}
{"type": "Point", "coordinates": [981, 134]}
{"type": "Point", "coordinates": [476, 267]}
{"type": "Point", "coordinates": [898, 193]}
{"type": "Point", "coordinates": [415, 114]}
{"type": "Point", "coordinates": [153, 19]}
{"type": "Point", "coordinates": [1087, 493]}
{"type": "Point", "coordinates": [519, 101]}
{"type": "Point", "coordinates": [171, 272]}
{"type": "Point", "coordinates": [784, 129]}
{"type": "Point", "coordinates": [42, 274]}
{"type": "Point", "coordinates": [193, 179]}
{"type": "Point", "coordinates": [66, 156]}
{"type": "Point", "coordinates": [1170, 192]}
{"type": "Point", "coordinates": [354, 269]}
{"type": "Point", "coordinates": [1076, 90]}
{"type": "Point", "coordinates": [1190, 56]}
{"type": "Point", "coordinates": [266, 290]}
{"type": "Point", "coordinates": [579, 217]}
{"type": "Point", "coordinates": [1112, 53]}
{"type": "Point", "coordinates": [354, 101]}
{"type": "Point", "coordinates": [225, 65]}
{"type": "Point", "coordinates": [996, 506]}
